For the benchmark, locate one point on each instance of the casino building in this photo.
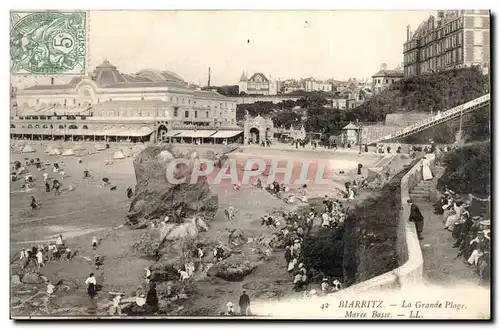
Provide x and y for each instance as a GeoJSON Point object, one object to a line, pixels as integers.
{"type": "Point", "coordinates": [111, 106]}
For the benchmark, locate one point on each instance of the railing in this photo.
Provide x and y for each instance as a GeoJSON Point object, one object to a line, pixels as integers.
{"type": "Point", "coordinates": [446, 115]}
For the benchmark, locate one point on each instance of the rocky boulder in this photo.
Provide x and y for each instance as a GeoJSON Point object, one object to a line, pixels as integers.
{"type": "Point", "coordinates": [32, 278]}
{"type": "Point", "coordinates": [231, 271]}
{"type": "Point", "coordinates": [156, 197]}
{"type": "Point", "coordinates": [15, 280]}
{"type": "Point", "coordinates": [167, 266]}
{"type": "Point", "coordinates": [274, 241]}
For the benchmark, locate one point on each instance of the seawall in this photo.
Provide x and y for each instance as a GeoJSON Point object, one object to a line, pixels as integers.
{"type": "Point", "coordinates": [410, 272]}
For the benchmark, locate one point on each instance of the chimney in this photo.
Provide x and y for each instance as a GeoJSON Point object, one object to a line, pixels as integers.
{"type": "Point", "coordinates": [408, 33]}
{"type": "Point", "coordinates": [383, 67]}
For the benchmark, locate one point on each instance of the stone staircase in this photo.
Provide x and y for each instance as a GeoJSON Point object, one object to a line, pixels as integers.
{"type": "Point", "coordinates": [423, 191]}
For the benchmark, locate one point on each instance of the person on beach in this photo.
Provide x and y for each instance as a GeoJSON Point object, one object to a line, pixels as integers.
{"type": "Point", "coordinates": [91, 285]}
{"type": "Point", "coordinates": [129, 192]}
{"type": "Point", "coordinates": [59, 241]}
{"type": "Point", "coordinates": [50, 253]}
{"type": "Point", "coordinates": [56, 186]}
{"type": "Point", "coordinates": [94, 243]}
{"type": "Point", "coordinates": [50, 289]}
{"type": "Point", "coordinates": [34, 205]}
{"type": "Point", "coordinates": [244, 303]}
{"type": "Point", "coordinates": [39, 258]}
{"type": "Point", "coordinates": [117, 309]}
{"type": "Point", "coordinates": [148, 274]}
{"type": "Point", "coordinates": [68, 254]}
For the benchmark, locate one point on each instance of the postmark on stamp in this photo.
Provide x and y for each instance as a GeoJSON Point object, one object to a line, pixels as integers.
{"type": "Point", "coordinates": [48, 43]}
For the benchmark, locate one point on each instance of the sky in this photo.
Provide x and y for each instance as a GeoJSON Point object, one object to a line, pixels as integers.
{"type": "Point", "coordinates": [281, 44]}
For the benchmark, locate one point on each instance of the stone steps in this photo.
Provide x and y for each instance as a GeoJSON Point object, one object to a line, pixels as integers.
{"type": "Point", "coordinates": [422, 194]}
{"type": "Point", "coordinates": [420, 198]}
{"type": "Point", "coordinates": [424, 189]}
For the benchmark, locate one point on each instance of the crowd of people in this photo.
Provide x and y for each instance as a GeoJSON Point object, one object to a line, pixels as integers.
{"type": "Point", "coordinates": [32, 259]}
{"type": "Point", "coordinates": [471, 232]}
{"type": "Point", "coordinates": [295, 229]}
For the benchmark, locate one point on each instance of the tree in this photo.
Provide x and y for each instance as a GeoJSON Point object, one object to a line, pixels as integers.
{"type": "Point", "coordinates": [468, 169]}
{"type": "Point", "coordinates": [286, 119]}
{"type": "Point", "coordinates": [441, 91]}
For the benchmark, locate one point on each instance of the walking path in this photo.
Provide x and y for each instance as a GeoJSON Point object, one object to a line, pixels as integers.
{"type": "Point", "coordinates": [440, 267]}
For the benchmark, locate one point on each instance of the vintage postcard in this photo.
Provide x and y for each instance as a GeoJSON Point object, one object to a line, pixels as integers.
{"type": "Point", "coordinates": [250, 164]}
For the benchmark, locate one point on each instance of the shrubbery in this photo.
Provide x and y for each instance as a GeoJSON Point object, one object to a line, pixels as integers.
{"type": "Point", "coordinates": [468, 170]}
{"type": "Point", "coordinates": [324, 251]}
{"type": "Point", "coordinates": [367, 244]}
{"type": "Point", "coordinates": [439, 91]}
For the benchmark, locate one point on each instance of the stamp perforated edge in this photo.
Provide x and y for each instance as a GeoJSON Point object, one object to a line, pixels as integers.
{"type": "Point", "coordinates": [87, 44]}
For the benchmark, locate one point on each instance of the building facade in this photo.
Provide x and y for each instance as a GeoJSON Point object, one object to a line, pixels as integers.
{"type": "Point", "coordinates": [290, 85]}
{"type": "Point", "coordinates": [350, 134]}
{"type": "Point", "coordinates": [384, 78]}
{"type": "Point", "coordinates": [315, 85]}
{"type": "Point", "coordinates": [257, 129]}
{"type": "Point", "coordinates": [108, 105]}
{"type": "Point", "coordinates": [453, 39]}
{"type": "Point", "coordinates": [257, 84]}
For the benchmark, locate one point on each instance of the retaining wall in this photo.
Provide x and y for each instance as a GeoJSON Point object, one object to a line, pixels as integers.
{"type": "Point", "coordinates": [411, 272]}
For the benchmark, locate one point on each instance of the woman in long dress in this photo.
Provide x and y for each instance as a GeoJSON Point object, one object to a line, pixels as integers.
{"type": "Point", "coordinates": [91, 285]}
{"type": "Point", "coordinates": [426, 170]}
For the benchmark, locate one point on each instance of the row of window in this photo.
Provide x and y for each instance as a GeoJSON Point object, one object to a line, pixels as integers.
{"type": "Point", "coordinates": [186, 113]}
{"type": "Point", "coordinates": [452, 57]}
{"type": "Point", "coordinates": [429, 38]}
{"type": "Point", "coordinates": [451, 41]}
{"type": "Point", "coordinates": [441, 46]}
{"type": "Point", "coordinates": [387, 81]}
{"type": "Point", "coordinates": [410, 70]}
{"type": "Point", "coordinates": [411, 57]}
{"type": "Point", "coordinates": [177, 100]}
{"type": "Point", "coordinates": [450, 27]}
{"type": "Point", "coordinates": [410, 45]}
{"type": "Point", "coordinates": [55, 117]}
{"type": "Point", "coordinates": [51, 126]}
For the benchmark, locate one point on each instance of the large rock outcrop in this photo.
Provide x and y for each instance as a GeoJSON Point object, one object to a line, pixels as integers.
{"type": "Point", "coordinates": [155, 197]}
{"type": "Point", "coordinates": [231, 270]}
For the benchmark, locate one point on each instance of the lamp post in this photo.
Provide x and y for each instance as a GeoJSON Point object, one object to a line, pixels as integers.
{"type": "Point", "coordinates": [459, 135]}
{"type": "Point", "coordinates": [155, 137]}
{"type": "Point", "coordinates": [360, 138]}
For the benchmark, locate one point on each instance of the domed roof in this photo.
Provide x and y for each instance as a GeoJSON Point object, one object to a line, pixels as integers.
{"type": "Point", "coordinates": [106, 74]}
{"type": "Point", "coordinates": [106, 65]}
{"type": "Point", "coordinates": [156, 75]}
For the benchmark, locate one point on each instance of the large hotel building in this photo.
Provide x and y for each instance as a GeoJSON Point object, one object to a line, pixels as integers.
{"type": "Point", "coordinates": [111, 106]}
{"type": "Point", "coordinates": [453, 39]}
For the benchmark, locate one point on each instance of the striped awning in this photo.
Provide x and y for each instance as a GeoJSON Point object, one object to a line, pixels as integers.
{"type": "Point", "coordinates": [227, 133]}
{"type": "Point", "coordinates": [173, 133]}
{"type": "Point", "coordinates": [82, 132]}
{"type": "Point", "coordinates": [125, 133]}
{"type": "Point", "coordinates": [197, 133]}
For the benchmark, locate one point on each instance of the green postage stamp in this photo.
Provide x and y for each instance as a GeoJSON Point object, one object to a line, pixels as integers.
{"type": "Point", "coordinates": [48, 43]}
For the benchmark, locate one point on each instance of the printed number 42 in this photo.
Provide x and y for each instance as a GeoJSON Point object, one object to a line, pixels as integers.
{"type": "Point", "coordinates": [323, 306]}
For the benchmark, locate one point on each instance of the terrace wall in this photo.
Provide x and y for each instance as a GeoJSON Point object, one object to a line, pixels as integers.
{"type": "Point", "coordinates": [409, 273]}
